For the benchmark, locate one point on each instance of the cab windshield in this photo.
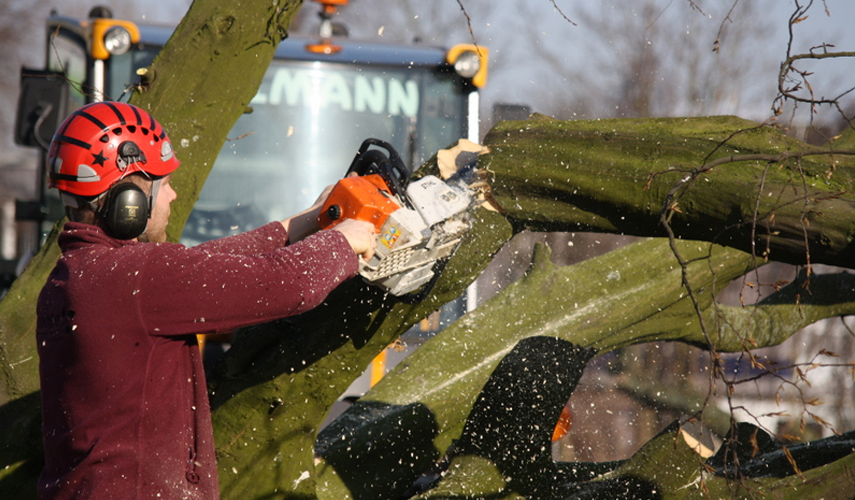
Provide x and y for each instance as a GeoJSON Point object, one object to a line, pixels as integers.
{"type": "Point", "coordinates": [305, 125]}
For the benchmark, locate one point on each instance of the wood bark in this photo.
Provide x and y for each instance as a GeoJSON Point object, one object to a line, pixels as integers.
{"type": "Point", "coordinates": [726, 180]}
{"type": "Point", "coordinates": [274, 387]}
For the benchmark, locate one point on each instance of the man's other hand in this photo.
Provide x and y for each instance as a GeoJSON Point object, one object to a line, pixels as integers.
{"type": "Point", "coordinates": [360, 235]}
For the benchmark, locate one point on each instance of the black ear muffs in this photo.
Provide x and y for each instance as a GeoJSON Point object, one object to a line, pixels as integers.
{"type": "Point", "coordinates": [126, 211]}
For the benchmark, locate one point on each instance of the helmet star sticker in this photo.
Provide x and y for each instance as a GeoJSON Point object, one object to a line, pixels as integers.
{"type": "Point", "coordinates": [99, 158]}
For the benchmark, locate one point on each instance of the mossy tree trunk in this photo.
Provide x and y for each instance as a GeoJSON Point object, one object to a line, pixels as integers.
{"type": "Point", "coordinates": [615, 176]}
{"type": "Point", "coordinates": [276, 384]}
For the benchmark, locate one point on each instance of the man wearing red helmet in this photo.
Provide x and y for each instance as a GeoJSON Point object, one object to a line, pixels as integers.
{"type": "Point", "coordinates": [124, 401]}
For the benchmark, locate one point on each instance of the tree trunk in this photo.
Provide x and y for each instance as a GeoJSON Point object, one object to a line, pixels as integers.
{"type": "Point", "coordinates": [615, 176]}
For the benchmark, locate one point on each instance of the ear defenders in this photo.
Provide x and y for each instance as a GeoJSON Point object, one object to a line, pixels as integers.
{"type": "Point", "coordinates": [127, 208]}
{"type": "Point", "coordinates": [126, 211]}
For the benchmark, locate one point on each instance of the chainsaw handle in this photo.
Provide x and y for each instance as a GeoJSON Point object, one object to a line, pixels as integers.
{"type": "Point", "coordinates": [389, 166]}
{"type": "Point", "coordinates": [395, 162]}
{"type": "Point", "coordinates": [367, 163]}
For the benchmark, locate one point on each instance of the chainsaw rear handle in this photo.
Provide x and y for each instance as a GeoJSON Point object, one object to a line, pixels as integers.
{"type": "Point", "coordinates": [389, 166]}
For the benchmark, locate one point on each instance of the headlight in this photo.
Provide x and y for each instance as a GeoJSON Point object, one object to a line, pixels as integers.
{"type": "Point", "coordinates": [117, 40]}
{"type": "Point", "coordinates": [470, 62]}
{"type": "Point", "coordinates": [467, 64]}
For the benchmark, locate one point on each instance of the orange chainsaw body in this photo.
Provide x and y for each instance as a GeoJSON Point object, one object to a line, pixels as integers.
{"type": "Point", "coordinates": [365, 198]}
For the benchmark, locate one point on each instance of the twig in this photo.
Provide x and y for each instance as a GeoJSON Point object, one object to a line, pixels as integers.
{"type": "Point", "coordinates": [468, 23]}
{"type": "Point", "coordinates": [558, 9]}
{"type": "Point", "coordinates": [717, 43]}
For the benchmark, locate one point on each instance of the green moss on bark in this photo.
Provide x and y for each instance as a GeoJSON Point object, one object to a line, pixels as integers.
{"type": "Point", "coordinates": [614, 176]}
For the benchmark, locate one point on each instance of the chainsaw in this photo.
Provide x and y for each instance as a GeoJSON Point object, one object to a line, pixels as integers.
{"type": "Point", "coordinates": [419, 223]}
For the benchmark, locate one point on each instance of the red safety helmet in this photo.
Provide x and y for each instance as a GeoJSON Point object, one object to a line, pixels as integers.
{"type": "Point", "coordinates": [101, 143]}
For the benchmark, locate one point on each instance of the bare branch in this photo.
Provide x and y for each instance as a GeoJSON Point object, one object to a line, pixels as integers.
{"type": "Point", "coordinates": [558, 9]}
{"type": "Point", "coordinates": [717, 43]}
{"type": "Point", "coordinates": [696, 7]}
{"type": "Point", "coordinates": [468, 21]}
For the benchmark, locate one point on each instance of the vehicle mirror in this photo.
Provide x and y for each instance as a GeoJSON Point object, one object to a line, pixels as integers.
{"type": "Point", "coordinates": [42, 105]}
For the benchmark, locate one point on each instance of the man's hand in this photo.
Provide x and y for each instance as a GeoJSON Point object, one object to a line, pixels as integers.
{"type": "Point", "coordinates": [306, 222]}
{"type": "Point", "coordinates": [360, 235]}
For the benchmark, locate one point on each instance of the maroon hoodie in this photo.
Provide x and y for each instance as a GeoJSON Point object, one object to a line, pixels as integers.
{"type": "Point", "coordinates": [124, 401]}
